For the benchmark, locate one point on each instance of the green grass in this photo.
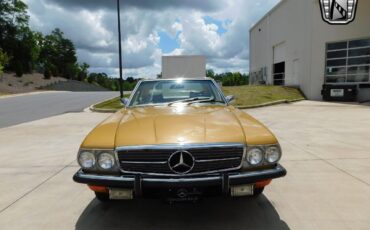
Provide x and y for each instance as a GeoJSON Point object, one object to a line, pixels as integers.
{"type": "Point", "coordinates": [245, 96]}
{"type": "Point", "coordinates": [256, 95]}
{"type": "Point", "coordinates": [114, 103]}
{"type": "Point", "coordinates": [3, 94]}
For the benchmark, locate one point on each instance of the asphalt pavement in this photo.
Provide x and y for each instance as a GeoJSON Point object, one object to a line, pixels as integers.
{"type": "Point", "coordinates": [30, 107]}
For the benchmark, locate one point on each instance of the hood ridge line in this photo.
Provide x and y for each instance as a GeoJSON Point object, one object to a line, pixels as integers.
{"type": "Point", "coordinates": [127, 114]}
{"type": "Point", "coordinates": [240, 124]}
{"type": "Point", "coordinates": [155, 129]}
{"type": "Point", "coordinates": [205, 127]}
{"type": "Point", "coordinates": [118, 125]}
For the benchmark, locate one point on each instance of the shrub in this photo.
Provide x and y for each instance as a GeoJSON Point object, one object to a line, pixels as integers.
{"type": "Point", "coordinates": [54, 70]}
{"type": "Point", "coordinates": [19, 69]}
{"type": "Point", "coordinates": [4, 60]}
{"type": "Point", "coordinates": [47, 73]}
{"type": "Point", "coordinates": [28, 83]}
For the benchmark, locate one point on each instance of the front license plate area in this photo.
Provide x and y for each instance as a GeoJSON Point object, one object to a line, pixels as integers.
{"type": "Point", "coordinates": [337, 93]}
{"type": "Point", "coordinates": [184, 195]}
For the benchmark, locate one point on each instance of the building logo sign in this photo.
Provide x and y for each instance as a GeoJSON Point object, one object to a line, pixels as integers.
{"type": "Point", "coordinates": [338, 12]}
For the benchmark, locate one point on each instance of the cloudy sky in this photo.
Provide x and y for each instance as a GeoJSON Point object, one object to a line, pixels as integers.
{"type": "Point", "coordinates": [218, 29]}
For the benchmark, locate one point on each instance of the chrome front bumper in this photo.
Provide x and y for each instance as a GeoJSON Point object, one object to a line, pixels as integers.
{"type": "Point", "coordinates": [138, 183]}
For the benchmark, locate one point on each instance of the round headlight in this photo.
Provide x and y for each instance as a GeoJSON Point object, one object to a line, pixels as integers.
{"type": "Point", "coordinates": [254, 156]}
{"type": "Point", "coordinates": [272, 154]}
{"type": "Point", "coordinates": [106, 161]}
{"type": "Point", "coordinates": [86, 160]}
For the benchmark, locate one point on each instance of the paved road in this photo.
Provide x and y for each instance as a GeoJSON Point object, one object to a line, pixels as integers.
{"type": "Point", "coordinates": [326, 153]}
{"type": "Point", "coordinates": [19, 109]}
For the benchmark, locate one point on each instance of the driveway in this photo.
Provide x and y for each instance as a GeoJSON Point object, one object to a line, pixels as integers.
{"type": "Point", "coordinates": [326, 152]}
{"type": "Point", "coordinates": [30, 107]}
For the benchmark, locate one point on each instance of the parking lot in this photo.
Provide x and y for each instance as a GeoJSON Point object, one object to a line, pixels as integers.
{"type": "Point", "coordinates": [326, 153]}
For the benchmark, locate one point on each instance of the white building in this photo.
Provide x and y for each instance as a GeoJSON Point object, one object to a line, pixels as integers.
{"type": "Point", "coordinates": [183, 66]}
{"type": "Point", "coordinates": [293, 45]}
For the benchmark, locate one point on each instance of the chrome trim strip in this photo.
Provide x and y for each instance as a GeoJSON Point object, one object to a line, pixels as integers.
{"type": "Point", "coordinates": [165, 162]}
{"type": "Point", "coordinates": [220, 91]}
{"type": "Point", "coordinates": [201, 179]}
{"type": "Point", "coordinates": [218, 159]}
{"type": "Point", "coordinates": [181, 147]}
{"type": "Point", "coordinates": [180, 175]}
{"type": "Point", "coordinates": [93, 149]}
{"type": "Point", "coordinates": [105, 177]}
{"type": "Point", "coordinates": [144, 162]}
{"type": "Point", "coordinates": [132, 94]}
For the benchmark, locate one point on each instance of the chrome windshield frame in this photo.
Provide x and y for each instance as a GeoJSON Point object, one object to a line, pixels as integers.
{"type": "Point", "coordinates": [219, 91]}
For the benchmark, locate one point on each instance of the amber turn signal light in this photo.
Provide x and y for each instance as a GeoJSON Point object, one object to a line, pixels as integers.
{"type": "Point", "coordinates": [98, 188]}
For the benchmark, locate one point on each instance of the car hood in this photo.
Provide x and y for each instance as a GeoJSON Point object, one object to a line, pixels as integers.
{"type": "Point", "coordinates": [178, 124]}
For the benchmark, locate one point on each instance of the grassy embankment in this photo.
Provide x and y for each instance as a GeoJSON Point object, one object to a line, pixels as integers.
{"type": "Point", "coordinates": [246, 96]}
{"type": "Point", "coordinates": [3, 94]}
{"type": "Point", "coordinates": [114, 103]}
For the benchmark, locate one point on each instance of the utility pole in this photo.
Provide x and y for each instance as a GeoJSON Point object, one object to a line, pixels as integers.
{"type": "Point", "coordinates": [120, 49]}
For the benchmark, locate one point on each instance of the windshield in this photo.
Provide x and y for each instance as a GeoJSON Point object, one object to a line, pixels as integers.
{"type": "Point", "coordinates": [169, 91]}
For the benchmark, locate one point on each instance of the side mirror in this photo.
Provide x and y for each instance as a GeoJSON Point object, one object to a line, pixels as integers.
{"type": "Point", "coordinates": [230, 99]}
{"type": "Point", "coordinates": [124, 101]}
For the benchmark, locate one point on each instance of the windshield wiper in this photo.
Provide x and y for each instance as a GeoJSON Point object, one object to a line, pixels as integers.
{"type": "Point", "coordinates": [204, 100]}
{"type": "Point", "coordinates": [193, 99]}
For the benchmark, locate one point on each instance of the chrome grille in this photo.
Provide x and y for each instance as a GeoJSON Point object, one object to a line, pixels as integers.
{"type": "Point", "coordinates": [154, 159]}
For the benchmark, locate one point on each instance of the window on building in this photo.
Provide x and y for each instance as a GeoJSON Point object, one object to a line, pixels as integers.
{"type": "Point", "coordinates": [348, 61]}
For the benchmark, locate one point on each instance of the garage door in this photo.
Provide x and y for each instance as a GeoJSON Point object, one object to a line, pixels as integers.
{"type": "Point", "coordinates": [279, 53]}
{"type": "Point", "coordinates": [279, 64]}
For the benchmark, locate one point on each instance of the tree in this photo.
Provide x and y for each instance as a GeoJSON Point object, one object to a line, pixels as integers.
{"type": "Point", "coordinates": [107, 82]}
{"type": "Point", "coordinates": [25, 51]}
{"type": "Point", "coordinates": [83, 71]}
{"type": "Point", "coordinates": [91, 78]}
{"type": "Point", "coordinates": [14, 34]}
{"type": "Point", "coordinates": [47, 73]}
{"type": "Point", "coordinates": [13, 14]}
{"type": "Point", "coordinates": [210, 73]}
{"type": "Point", "coordinates": [130, 79]}
{"type": "Point", "coordinates": [58, 51]}
{"type": "Point", "coordinates": [19, 69]}
{"type": "Point", "coordinates": [4, 60]}
{"type": "Point", "coordinates": [232, 79]}
{"type": "Point", "coordinates": [70, 70]}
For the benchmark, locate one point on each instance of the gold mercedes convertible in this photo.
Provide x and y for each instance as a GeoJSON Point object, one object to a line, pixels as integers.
{"type": "Point", "coordinates": [180, 139]}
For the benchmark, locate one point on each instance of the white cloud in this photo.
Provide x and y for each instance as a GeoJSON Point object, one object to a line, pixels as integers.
{"type": "Point", "coordinates": [176, 27]}
{"type": "Point", "coordinates": [92, 25]}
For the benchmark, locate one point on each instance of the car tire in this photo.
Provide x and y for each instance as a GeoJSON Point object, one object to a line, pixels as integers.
{"type": "Point", "coordinates": [258, 191]}
{"type": "Point", "coordinates": [102, 197]}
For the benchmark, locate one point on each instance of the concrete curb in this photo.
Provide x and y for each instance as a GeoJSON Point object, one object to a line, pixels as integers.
{"type": "Point", "coordinates": [269, 104]}
{"type": "Point", "coordinates": [96, 110]}
{"type": "Point", "coordinates": [93, 109]}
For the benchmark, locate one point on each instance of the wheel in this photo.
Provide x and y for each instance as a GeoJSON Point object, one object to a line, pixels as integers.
{"type": "Point", "coordinates": [258, 191]}
{"type": "Point", "coordinates": [102, 197]}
